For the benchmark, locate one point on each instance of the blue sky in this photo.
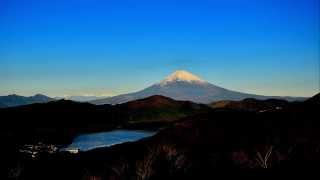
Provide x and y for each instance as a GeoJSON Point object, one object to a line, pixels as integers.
{"type": "Point", "coordinates": [109, 47]}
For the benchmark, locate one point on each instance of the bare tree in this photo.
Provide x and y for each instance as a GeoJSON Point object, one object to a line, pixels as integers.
{"type": "Point", "coordinates": [144, 168]}
{"type": "Point", "coordinates": [263, 159]}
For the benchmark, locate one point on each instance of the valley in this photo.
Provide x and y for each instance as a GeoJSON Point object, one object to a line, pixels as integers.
{"type": "Point", "coordinates": [193, 138]}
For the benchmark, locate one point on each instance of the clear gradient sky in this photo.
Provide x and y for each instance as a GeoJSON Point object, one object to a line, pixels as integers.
{"type": "Point", "coordinates": [109, 47]}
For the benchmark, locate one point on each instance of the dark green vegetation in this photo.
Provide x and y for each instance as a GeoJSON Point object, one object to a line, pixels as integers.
{"type": "Point", "coordinates": [196, 145]}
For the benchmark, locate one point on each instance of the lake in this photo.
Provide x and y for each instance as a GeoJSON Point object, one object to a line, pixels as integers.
{"type": "Point", "coordinates": [90, 141]}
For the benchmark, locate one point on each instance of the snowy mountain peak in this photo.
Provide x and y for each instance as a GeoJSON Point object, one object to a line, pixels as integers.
{"type": "Point", "coordinates": [182, 75]}
{"type": "Point", "coordinates": [182, 85]}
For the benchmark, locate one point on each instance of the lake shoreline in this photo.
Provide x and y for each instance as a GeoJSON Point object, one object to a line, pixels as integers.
{"type": "Point", "coordinates": [89, 141]}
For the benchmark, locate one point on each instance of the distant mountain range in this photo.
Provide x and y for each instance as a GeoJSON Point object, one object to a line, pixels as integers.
{"type": "Point", "coordinates": [182, 85]}
{"type": "Point", "coordinates": [16, 100]}
{"type": "Point", "coordinates": [80, 98]}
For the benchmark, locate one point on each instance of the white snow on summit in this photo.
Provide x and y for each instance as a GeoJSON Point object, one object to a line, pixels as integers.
{"type": "Point", "coordinates": [181, 75]}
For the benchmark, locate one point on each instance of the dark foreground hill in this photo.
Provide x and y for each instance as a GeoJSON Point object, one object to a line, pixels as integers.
{"type": "Point", "coordinates": [222, 142]}
{"type": "Point", "coordinates": [158, 109]}
{"type": "Point", "coordinates": [56, 121]}
{"type": "Point", "coordinates": [207, 145]}
{"type": "Point", "coordinates": [251, 105]}
{"type": "Point", "coordinates": [59, 121]}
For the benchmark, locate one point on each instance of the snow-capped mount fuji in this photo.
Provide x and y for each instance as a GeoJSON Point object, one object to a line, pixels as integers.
{"type": "Point", "coordinates": [182, 75]}
{"type": "Point", "coordinates": [182, 85]}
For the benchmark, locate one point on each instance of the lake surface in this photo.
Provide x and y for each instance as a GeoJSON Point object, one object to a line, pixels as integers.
{"type": "Point", "coordinates": [90, 141]}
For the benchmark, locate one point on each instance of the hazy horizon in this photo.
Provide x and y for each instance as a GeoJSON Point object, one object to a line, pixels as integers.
{"type": "Point", "coordinates": [107, 48]}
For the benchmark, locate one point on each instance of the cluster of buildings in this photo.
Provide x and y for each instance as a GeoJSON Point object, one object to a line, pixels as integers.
{"type": "Point", "coordinates": [33, 150]}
